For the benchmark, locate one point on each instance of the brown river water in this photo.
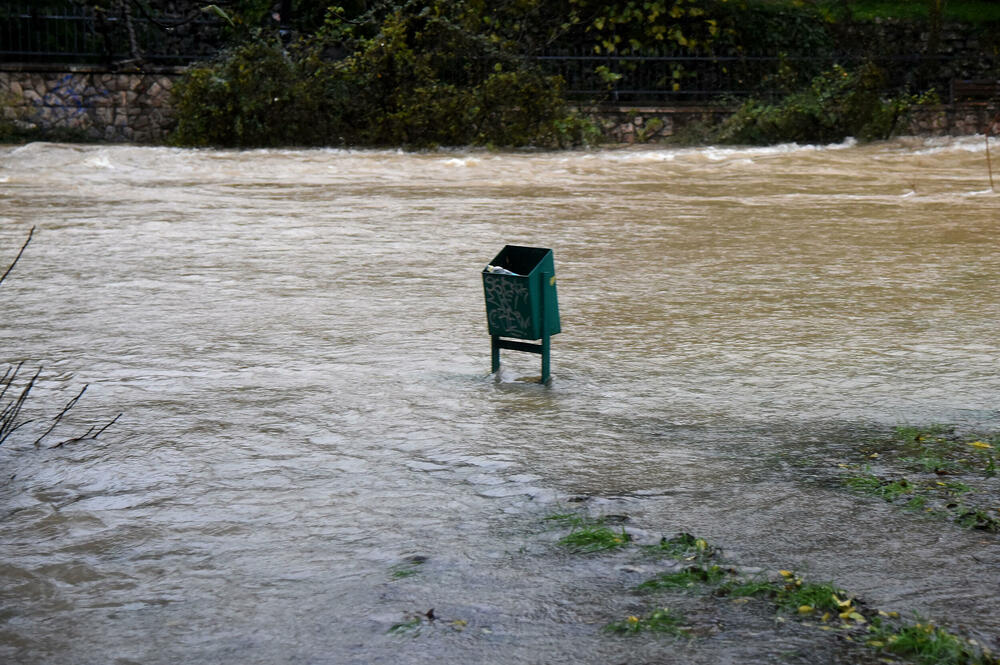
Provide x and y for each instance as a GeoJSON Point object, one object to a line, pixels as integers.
{"type": "Point", "coordinates": [297, 341]}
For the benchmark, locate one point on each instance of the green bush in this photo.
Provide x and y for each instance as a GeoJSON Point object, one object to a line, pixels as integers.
{"type": "Point", "coordinates": [255, 96]}
{"type": "Point", "coordinates": [836, 105]}
{"type": "Point", "coordinates": [424, 80]}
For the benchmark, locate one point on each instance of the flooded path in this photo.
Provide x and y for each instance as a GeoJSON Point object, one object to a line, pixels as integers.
{"type": "Point", "coordinates": [298, 343]}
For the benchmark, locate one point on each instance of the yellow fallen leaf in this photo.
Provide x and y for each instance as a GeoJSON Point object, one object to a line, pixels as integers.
{"type": "Point", "coordinates": [857, 617]}
{"type": "Point", "coordinates": [633, 619]}
{"type": "Point", "coordinates": [805, 609]}
{"type": "Point", "coordinates": [785, 573]}
{"type": "Point", "coordinates": [980, 444]}
{"type": "Point", "coordinates": [701, 545]}
{"type": "Point", "coordinates": [825, 617]}
{"type": "Point", "coordinates": [841, 603]}
{"type": "Point", "coordinates": [873, 456]}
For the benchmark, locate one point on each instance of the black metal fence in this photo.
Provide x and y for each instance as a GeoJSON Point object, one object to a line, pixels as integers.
{"type": "Point", "coordinates": [683, 78]}
{"type": "Point", "coordinates": [77, 34]}
{"type": "Point", "coordinates": [72, 33]}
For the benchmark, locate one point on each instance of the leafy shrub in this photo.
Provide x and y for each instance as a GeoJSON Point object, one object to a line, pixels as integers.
{"type": "Point", "coordinates": [424, 80]}
{"type": "Point", "coordinates": [837, 104]}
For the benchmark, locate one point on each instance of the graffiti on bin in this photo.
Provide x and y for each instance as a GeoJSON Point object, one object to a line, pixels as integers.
{"type": "Point", "coordinates": [507, 302]}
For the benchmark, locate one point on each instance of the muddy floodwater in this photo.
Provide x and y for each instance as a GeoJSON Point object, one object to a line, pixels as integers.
{"type": "Point", "coordinates": [313, 449]}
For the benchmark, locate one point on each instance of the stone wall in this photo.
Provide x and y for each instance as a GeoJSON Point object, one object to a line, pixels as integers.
{"type": "Point", "coordinates": [660, 124]}
{"type": "Point", "coordinates": [135, 107]}
{"type": "Point", "coordinates": [119, 107]}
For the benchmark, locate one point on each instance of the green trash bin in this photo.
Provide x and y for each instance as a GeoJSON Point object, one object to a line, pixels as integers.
{"type": "Point", "coordinates": [521, 302]}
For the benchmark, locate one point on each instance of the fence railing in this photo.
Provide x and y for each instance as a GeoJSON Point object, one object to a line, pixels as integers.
{"type": "Point", "coordinates": [79, 34]}
{"type": "Point", "coordinates": [683, 78]}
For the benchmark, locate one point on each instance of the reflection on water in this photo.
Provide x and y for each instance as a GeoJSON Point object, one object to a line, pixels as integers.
{"type": "Point", "coordinates": [297, 339]}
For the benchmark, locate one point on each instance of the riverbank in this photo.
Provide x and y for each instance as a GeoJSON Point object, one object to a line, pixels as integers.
{"type": "Point", "coordinates": [87, 103]}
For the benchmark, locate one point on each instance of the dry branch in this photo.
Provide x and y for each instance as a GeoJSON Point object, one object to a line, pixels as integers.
{"type": "Point", "coordinates": [17, 258]}
{"type": "Point", "coordinates": [10, 406]}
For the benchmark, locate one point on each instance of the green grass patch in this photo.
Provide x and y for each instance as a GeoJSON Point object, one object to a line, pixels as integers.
{"type": "Point", "coordinates": [409, 568]}
{"type": "Point", "coordinates": [683, 546]}
{"type": "Point", "coordinates": [823, 605]}
{"type": "Point", "coordinates": [747, 588]}
{"type": "Point", "coordinates": [410, 627]}
{"type": "Point", "coordinates": [890, 490]}
{"type": "Point", "coordinates": [976, 518]}
{"type": "Point", "coordinates": [948, 475]}
{"type": "Point", "coordinates": [662, 620]}
{"type": "Point", "coordinates": [591, 534]}
{"type": "Point", "coordinates": [588, 539]}
{"type": "Point", "coordinates": [793, 595]}
{"type": "Point", "coordinates": [911, 434]}
{"type": "Point", "coordinates": [688, 578]}
{"type": "Point", "coordinates": [927, 644]}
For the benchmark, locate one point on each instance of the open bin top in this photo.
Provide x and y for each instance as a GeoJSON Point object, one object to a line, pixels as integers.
{"type": "Point", "coordinates": [520, 260]}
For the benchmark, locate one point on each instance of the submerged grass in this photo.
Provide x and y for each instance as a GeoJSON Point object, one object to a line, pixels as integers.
{"type": "Point", "coordinates": [683, 546]}
{"type": "Point", "coordinates": [934, 470]}
{"type": "Point", "coordinates": [589, 534]}
{"type": "Point", "coordinates": [662, 620]}
{"type": "Point", "coordinates": [930, 469]}
{"type": "Point", "coordinates": [595, 539]}
{"type": "Point", "coordinates": [688, 578]}
{"type": "Point", "coordinates": [927, 644]}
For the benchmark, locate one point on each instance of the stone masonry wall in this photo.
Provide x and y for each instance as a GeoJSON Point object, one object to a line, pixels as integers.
{"type": "Point", "coordinates": [656, 125]}
{"type": "Point", "coordinates": [118, 107]}
{"type": "Point", "coordinates": [135, 108]}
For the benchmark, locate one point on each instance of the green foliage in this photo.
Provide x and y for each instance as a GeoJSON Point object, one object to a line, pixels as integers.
{"type": "Point", "coordinates": [425, 79]}
{"type": "Point", "coordinates": [971, 11]}
{"type": "Point", "coordinates": [890, 490]}
{"type": "Point", "coordinates": [837, 104]}
{"type": "Point", "coordinates": [662, 620]}
{"type": "Point", "coordinates": [590, 539]}
{"type": "Point", "coordinates": [925, 643]}
{"type": "Point", "coordinates": [625, 27]}
{"type": "Point", "coordinates": [256, 96]}
{"type": "Point", "coordinates": [911, 434]}
{"type": "Point", "coordinates": [688, 578]}
{"type": "Point", "coordinates": [683, 546]}
{"type": "Point", "coordinates": [792, 594]}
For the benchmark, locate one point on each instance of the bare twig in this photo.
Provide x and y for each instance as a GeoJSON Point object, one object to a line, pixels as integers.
{"type": "Point", "coordinates": [69, 405]}
{"type": "Point", "coordinates": [16, 258]}
{"type": "Point", "coordinates": [10, 412]}
{"type": "Point", "coordinates": [87, 435]}
{"type": "Point", "coordinates": [11, 409]}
